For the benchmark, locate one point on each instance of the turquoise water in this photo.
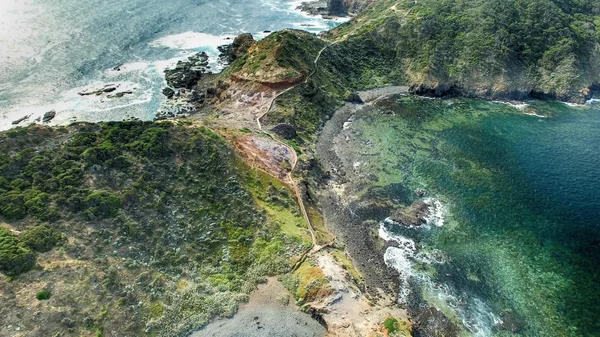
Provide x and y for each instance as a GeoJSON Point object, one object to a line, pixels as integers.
{"type": "Point", "coordinates": [520, 198]}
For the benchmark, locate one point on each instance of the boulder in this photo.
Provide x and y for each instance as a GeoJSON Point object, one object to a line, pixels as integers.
{"type": "Point", "coordinates": [432, 322]}
{"type": "Point", "coordinates": [16, 122]}
{"type": "Point", "coordinates": [285, 131]}
{"type": "Point", "coordinates": [198, 96]}
{"type": "Point", "coordinates": [48, 116]}
{"type": "Point", "coordinates": [168, 92]}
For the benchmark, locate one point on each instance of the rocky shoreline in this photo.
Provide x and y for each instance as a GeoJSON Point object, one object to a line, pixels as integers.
{"type": "Point", "coordinates": [354, 220]}
{"type": "Point", "coordinates": [447, 90]}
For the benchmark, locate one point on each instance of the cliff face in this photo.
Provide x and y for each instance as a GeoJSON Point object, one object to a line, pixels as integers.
{"type": "Point", "coordinates": [508, 49]}
{"type": "Point", "coordinates": [356, 6]}
{"type": "Point", "coordinates": [336, 7]}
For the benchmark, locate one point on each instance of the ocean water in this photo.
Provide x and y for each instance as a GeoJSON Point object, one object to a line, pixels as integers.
{"type": "Point", "coordinates": [515, 240]}
{"type": "Point", "coordinates": [52, 49]}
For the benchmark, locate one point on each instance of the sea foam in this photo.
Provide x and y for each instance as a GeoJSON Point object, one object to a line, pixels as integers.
{"type": "Point", "coordinates": [474, 314]}
{"type": "Point", "coordinates": [436, 212]}
{"type": "Point", "coordinates": [191, 40]}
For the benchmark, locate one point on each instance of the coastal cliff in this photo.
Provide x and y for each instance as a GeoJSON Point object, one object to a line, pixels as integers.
{"type": "Point", "coordinates": [497, 50]}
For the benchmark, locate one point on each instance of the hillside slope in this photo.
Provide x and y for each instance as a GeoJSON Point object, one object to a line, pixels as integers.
{"type": "Point", "coordinates": [128, 229]}
{"type": "Point", "coordinates": [503, 49]}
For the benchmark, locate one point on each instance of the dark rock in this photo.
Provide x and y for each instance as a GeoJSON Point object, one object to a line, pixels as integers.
{"type": "Point", "coordinates": [354, 98]}
{"type": "Point", "coordinates": [267, 31]}
{"type": "Point", "coordinates": [187, 73]}
{"type": "Point", "coordinates": [431, 322]}
{"type": "Point", "coordinates": [315, 314]}
{"type": "Point", "coordinates": [286, 131]}
{"type": "Point", "coordinates": [48, 116]}
{"type": "Point", "coordinates": [336, 7]}
{"type": "Point", "coordinates": [198, 96]}
{"type": "Point", "coordinates": [120, 94]}
{"type": "Point", "coordinates": [16, 122]}
{"type": "Point", "coordinates": [238, 48]}
{"type": "Point", "coordinates": [414, 215]}
{"type": "Point", "coordinates": [211, 92]}
{"type": "Point", "coordinates": [168, 92]}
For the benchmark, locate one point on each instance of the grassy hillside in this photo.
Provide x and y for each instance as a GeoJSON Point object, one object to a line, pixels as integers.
{"type": "Point", "coordinates": [284, 57]}
{"type": "Point", "coordinates": [134, 228]}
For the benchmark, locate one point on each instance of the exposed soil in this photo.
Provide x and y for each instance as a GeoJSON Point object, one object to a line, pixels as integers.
{"type": "Point", "coordinates": [266, 154]}
{"type": "Point", "coordinates": [266, 315]}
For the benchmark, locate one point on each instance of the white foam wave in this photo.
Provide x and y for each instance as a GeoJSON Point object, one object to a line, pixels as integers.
{"type": "Point", "coordinates": [399, 258]}
{"type": "Point", "coordinates": [72, 106]}
{"type": "Point", "coordinates": [593, 101]}
{"type": "Point", "coordinates": [474, 314]}
{"type": "Point", "coordinates": [436, 212]}
{"type": "Point", "coordinates": [518, 105]}
{"type": "Point", "coordinates": [191, 40]}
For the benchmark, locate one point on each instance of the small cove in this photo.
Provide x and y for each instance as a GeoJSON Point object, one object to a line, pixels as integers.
{"type": "Point", "coordinates": [518, 250]}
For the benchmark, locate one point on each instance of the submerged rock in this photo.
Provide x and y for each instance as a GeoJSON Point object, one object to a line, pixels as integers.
{"type": "Point", "coordinates": [510, 322]}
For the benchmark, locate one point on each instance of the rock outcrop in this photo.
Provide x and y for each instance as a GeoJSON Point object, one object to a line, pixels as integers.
{"type": "Point", "coordinates": [336, 7]}
{"type": "Point", "coordinates": [168, 92]}
{"type": "Point", "coordinates": [187, 73]}
{"type": "Point", "coordinates": [238, 48]}
{"type": "Point", "coordinates": [412, 216]}
{"type": "Point", "coordinates": [48, 116]}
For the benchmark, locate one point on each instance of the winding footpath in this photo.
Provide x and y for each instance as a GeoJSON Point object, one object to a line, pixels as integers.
{"type": "Point", "coordinates": [315, 246]}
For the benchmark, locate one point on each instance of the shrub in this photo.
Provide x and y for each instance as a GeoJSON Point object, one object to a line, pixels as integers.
{"type": "Point", "coordinates": [391, 324]}
{"type": "Point", "coordinates": [15, 257]}
{"type": "Point", "coordinates": [41, 238]}
{"type": "Point", "coordinates": [43, 295]}
{"type": "Point", "coordinates": [102, 204]}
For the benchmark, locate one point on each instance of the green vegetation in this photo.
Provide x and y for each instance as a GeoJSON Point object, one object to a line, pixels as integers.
{"type": "Point", "coordinates": [15, 257]}
{"type": "Point", "coordinates": [43, 295]}
{"type": "Point", "coordinates": [41, 238]}
{"type": "Point", "coordinates": [495, 49]}
{"type": "Point", "coordinates": [397, 327]}
{"type": "Point", "coordinates": [487, 47]}
{"type": "Point", "coordinates": [283, 57]}
{"type": "Point", "coordinates": [308, 283]}
{"type": "Point", "coordinates": [164, 225]}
